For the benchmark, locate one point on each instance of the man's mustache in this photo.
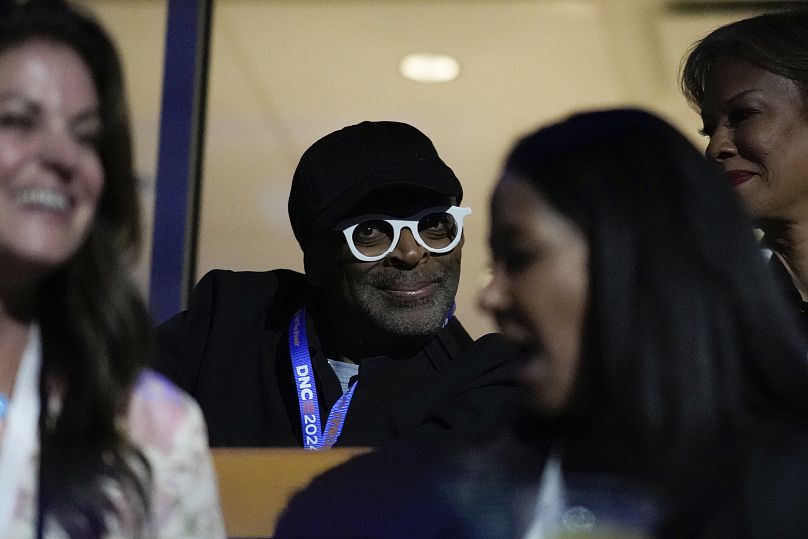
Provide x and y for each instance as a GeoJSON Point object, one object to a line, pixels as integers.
{"type": "Point", "coordinates": [399, 277]}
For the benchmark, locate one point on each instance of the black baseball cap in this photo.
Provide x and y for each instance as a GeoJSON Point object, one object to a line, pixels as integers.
{"type": "Point", "coordinates": [344, 166]}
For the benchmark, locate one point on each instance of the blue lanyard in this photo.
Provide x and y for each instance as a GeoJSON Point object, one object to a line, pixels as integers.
{"type": "Point", "coordinates": [3, 406]}
{"type": "Point", "coordinates": [313, 436]}
{"type": "Point", "coordinates": [451, 313]}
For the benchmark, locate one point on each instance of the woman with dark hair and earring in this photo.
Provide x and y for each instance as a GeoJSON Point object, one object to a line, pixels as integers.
{"type": "Point", "coordinates": [666, 384]}
{"type": "Point", "coordinates": [658, 349]}
{"type": "Point", "coordinates": [91, 444]}
{"type": "Point", "coordinates": [749, 81]}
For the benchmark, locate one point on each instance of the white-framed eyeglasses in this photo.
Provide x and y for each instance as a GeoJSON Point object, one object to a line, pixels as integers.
{"type": "Point", "coordinates": [373, 237]}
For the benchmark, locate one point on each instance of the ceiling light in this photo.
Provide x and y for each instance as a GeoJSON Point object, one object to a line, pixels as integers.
{"type": "Point", "coordinates": [429, 67]}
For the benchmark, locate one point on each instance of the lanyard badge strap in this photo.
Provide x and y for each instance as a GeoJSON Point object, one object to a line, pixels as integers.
{"type": "Point", "coordinates": [449, 316]}
{"type": "Point", "coordinates": [336, 419]}
{"type": "Point", "coordinates": [310, 421]}
{"type": "Point", "coordinates": [303, 373]}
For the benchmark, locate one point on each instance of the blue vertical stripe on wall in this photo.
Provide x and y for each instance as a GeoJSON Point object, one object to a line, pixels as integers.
{"type": "Point", "coordinates": [178, 169]}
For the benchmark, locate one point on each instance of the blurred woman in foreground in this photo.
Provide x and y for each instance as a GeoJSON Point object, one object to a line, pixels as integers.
{"type": "Point", "coordinates": [658, 350]}
{"type": "Point", "coordinates": [91, 444]}
{"type": "Point", "coordinates": [663, 375]}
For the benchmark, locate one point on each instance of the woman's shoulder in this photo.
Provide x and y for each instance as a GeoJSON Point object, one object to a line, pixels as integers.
{"type": "Point", "coordinates": [161, 415]}
{"type": "Point", "coordinates": [166, 424]}
{"type": "Point", "coordinates": [441, 490]}
{"type": "Point", "coordinates": [395, 489]}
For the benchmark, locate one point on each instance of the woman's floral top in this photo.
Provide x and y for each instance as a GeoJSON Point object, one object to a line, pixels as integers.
{"type": "Point", "coordinates": [167, 426]}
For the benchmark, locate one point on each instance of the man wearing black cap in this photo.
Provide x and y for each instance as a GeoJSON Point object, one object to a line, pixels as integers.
{"type": "Point", "coordinates": [363, 349]}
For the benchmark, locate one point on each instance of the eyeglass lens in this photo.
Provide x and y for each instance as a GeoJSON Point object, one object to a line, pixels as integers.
{"type": "Point", "coordinates": [436, 230]}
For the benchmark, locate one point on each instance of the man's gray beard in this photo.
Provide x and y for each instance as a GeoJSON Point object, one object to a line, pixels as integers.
{"type": "Point", "coordinates": [414, 319]}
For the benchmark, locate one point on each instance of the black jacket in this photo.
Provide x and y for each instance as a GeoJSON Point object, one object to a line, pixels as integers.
{"type": "Point", "coordinates": [229, 350]}
{"type": "Point", "coordinates": [792, 296]}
